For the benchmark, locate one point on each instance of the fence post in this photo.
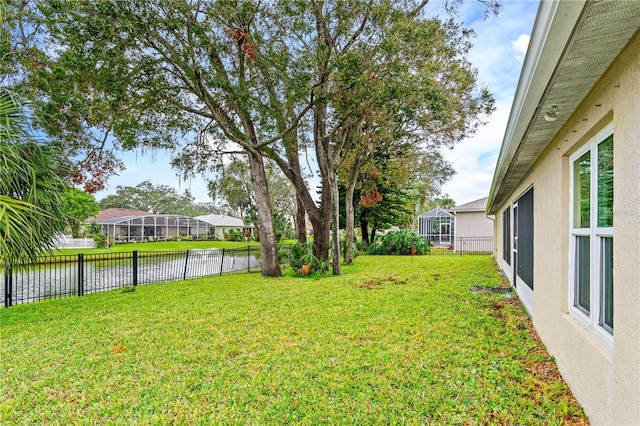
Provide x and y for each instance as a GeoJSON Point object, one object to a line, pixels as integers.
{"type": "Point", "coordinates": [222, 262]}
{"type": "Point", "coordinates": [248, 250]}
{"type": "Point", "coordinates": [80, 274]}
{"type": "Point", "coordinates": [8, 286]}
{"type": "Point", "coordinates": [186, 262]}
{"type": "Point", "coordinates": [135, 267]}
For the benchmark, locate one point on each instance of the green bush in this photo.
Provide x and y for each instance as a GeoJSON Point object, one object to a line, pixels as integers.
{"type": "Point", "coordinates": [303, 254]}
{"type": "Point", "coordinates": [403, 242]}
{"type": "Point", "coordinates": [100, 239]}
{"type": "Point", "coordinates": [284, 253]}
{"type": "Point", "coordinates": [234, 235]}
{"type": "Point", "coordinates": [358, 247]}
{"type": "Point", "coordinates": [187, 238]}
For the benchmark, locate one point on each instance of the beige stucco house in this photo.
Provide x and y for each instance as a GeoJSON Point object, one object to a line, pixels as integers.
{"type": "Point", "coordinates": [566, 199]}
{"type": "Point", "coordinates": [473, 230]}
{"type": "Point", "coordinates": [223, 224]}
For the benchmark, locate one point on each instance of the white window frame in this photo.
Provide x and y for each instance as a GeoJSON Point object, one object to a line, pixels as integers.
{"type": "Point", "coordinates": [596, 234]}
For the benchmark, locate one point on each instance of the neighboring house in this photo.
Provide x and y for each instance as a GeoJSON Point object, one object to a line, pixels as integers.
{"type": "Point", "coordinates": [473, 229]}
{"type": "Point", "coordinates": [137, 225]}
{"type": "Point", "coordinates": [437, 226]}
{"type": "Point", "coordinates": [224, 224]}
{"type": "Point", "coordinates": [108, 214]}
{"type": "Point", "coordinates": [462, 228]}
{"type": "Point", "coordinates": [565, 198]}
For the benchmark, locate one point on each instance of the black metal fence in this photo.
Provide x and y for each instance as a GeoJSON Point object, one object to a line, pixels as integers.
{"type": "Point", "coordinates": [75, 275]}
{"type": "Point", "coordinates": [464, 246]}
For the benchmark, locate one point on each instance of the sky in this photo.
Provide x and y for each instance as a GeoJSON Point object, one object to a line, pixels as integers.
{"type": "Point", "coordinates": [498, 52]}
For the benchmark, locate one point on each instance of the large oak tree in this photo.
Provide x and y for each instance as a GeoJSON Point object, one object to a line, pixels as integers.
{"type": "Point", "coordinates": [272, 79]}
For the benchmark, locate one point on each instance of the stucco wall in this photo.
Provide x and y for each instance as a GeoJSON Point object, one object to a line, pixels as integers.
{"type": "Point", "coordinates": [221, 231]}
{"type": "Point", "coordinates": [606, 381]}
{"type": "Point", "coordinates": [473, 224]}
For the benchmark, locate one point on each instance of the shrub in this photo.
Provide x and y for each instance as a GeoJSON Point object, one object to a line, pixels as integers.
{"type": "Point", "coordinates": [187, 238]}
{"type": "Point", "coordinates": [100, 239]}
{"type": "Point", "coordinates": [403, 242]}
{"type": "Point", "coordinates": [284, 253]}
{"type": "Point", "coordinates": [358, 247]}
{"type": "Point", "coordinates": [234, 235]}
{"type": "Point", "coordinates": [303, 260]}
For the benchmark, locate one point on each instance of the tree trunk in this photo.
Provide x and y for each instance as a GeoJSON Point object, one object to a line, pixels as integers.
{"type": "Point", "coordinates": [335, 221]}
{"type": "Point", "coordinates": [364, 227]}
{"type": "Point", "coordinates": [317, 215]}
{"type": "Point", "coordinates": [373, 235]}
{"type": "Point", "coordinates": [329, 185]}
{"type": "Point", "coordinates": [350, 222]}
{"type": "Point", "coordinates": [300, 221]}
{"type": "Point", "coordinates": [269, 259]}
{"type": "Point", "coordinates": [321, 236]}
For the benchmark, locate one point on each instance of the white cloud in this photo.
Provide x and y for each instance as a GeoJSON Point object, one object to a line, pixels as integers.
{"type": "Point", "coordinates": [520, 46]}
{"type": "Point", "coordinates": [498, 52]}
{"type": "Point", "coordinates": [474, 159]}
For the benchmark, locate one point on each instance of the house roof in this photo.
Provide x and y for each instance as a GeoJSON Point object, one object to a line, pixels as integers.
{"type": "Point", "coordinates": [222, 220]}
{"type": "Point", "coordinates": [572, 44]}
{"type": "Point", "coordinates": [155, 220]}
{"type": "Point", "coordinates": [437, 212]}
{"type": "Point", "coordinates": [473, 206]}
{"type": "Point", "coordinates": [108, 214]}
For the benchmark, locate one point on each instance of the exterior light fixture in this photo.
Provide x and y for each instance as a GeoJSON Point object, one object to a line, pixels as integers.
{"type": "Point", "coordinates": [552, 114]}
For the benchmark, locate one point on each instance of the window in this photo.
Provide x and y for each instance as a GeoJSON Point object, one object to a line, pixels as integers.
{"type": "Point", "coordinates": [591, 277]}
{"type": "Point", "coordinates": [506, 235]}
{"type": "Point", "coordinates": [523, 237]}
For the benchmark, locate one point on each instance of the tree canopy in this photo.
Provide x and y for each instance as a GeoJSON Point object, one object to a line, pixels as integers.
{"type": "Point", "coordinates": [156, 199]}
{"type": "Point", "coordinates": [79, 206]}
{"type": "Point", "coordinates": [270, 79]}
{"type": "Point", "coordinates": [232, 189]}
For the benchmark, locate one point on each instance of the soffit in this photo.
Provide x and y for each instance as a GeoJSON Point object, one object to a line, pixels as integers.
{"type": "Point", "coordinates": [601, 32]}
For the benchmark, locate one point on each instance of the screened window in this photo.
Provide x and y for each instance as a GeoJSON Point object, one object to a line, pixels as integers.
{"type": "Point", "coordinates": [591, 293]}
{"type": "Point", "coordinates": [523, 237]}
{"type": "Point", "coordinates": [506, 235]}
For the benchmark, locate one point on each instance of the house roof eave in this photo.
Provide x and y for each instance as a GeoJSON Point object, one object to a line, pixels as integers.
{"type": "Point", "coordinates": [552, 31]}
{"type": "Point", "coordinates": [573, 44]}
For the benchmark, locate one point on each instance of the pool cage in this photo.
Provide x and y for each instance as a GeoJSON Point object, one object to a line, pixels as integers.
{"type": "Point", "coordinates": [155, 227]}
{"type": "Point", "coordinates": [437, 226]}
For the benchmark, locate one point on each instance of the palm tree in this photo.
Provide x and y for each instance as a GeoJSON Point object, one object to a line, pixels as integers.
{"type": "Point", "coordinates": [31, 207]}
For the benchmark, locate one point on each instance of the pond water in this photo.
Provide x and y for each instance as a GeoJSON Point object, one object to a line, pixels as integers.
{"type": "Point", "coordinates": [101, 273]}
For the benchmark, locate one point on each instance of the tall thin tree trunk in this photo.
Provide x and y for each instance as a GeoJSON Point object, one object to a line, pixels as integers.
{"type": "Point", "coordinates": [269, 259]}
{"type": "Point", "coordinates": [321, 233]}
{"type": "Point", "coordinates": [364, 227]}
{"type": "Point", "coordinates": [350, 222]}
{"type": "Point", "coordinates": [335, 221]}
{"type": "Point", "coordinates": [300, 221]}
{"type": "Point", "coordinates": [329, 180]}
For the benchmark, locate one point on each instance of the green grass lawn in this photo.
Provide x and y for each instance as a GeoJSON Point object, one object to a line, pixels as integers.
{"type": "Point", "coordinates": [160, 246]}
{"type": "Point", "coordinates": [391, 341]}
